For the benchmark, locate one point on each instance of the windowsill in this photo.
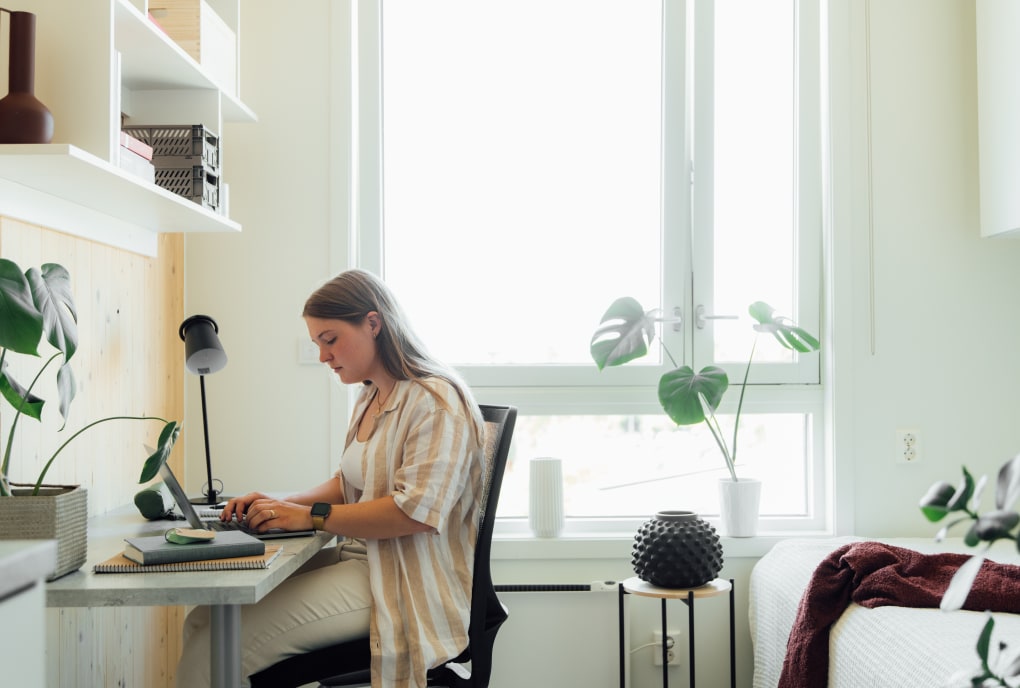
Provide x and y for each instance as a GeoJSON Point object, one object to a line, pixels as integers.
{"type": "Point", "coordinates": [618, 545]}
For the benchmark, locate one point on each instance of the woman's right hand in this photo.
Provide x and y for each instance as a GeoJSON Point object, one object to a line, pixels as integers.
{"type": "Point", "coordinates": [236, 507]}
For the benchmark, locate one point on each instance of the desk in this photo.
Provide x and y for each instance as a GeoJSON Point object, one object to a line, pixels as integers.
{"type": "Point", "coordinates": [636, 586]}
{"type": "Point", "coordinates": [224, 591]}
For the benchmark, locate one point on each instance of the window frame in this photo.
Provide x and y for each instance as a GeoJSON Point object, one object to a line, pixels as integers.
{"type": "Point", "coordinates": [548, 390]}
{"type": "Point", "coordinates": [804, 369]}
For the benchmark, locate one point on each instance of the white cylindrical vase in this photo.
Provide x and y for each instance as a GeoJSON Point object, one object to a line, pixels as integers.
{"type": "Point", "coordinates": [545, 497]}
{"type": "Point", "coordinates": [738, 505]}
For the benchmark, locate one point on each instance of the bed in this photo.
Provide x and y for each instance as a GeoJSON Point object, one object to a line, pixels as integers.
{"type": "Point", "coordinates": [883, 646]}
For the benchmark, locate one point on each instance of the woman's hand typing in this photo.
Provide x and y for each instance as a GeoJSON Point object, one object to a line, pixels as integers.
{"type": "Point", "coordinates": [237, 507]}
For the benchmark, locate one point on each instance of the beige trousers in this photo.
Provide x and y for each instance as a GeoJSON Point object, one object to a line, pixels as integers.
{"type": "Point", "coordinates": [326, 601]}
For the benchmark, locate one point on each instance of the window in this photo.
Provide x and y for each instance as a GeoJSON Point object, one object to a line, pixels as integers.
{"type": "Point", "coordinates": [537, 159]}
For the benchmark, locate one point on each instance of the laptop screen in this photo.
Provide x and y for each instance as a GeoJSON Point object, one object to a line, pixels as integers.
{"type": "Point", "coordinates": [170, 480]}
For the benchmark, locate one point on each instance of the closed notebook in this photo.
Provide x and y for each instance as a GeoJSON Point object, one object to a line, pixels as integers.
{"type": "Point", "coordinates": [121, 564]}
{"type": "Point", "coordinates": [155, 549]}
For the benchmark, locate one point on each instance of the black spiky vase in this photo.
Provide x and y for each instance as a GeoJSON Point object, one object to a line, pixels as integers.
{"type": "Point", "coordinates": [677, 549]}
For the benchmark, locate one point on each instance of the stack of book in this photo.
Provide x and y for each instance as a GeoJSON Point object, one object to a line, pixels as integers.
{"type": "Point", "coordinates": [227, 551]}
{"type": "Point", "coordinates": [136, 158]}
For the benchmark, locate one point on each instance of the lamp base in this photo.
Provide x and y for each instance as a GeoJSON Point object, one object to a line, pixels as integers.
{"type": "Point", "coordinates": [205, 501]}
{"type": "Point", "coordinates": [211, 499]}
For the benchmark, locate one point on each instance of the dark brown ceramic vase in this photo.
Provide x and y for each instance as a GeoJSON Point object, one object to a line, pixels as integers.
{"type": "Point", "coordinates": [23, 119]}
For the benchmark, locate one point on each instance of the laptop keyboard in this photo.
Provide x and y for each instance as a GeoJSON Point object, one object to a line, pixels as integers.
{"type": "Point", "coordinates": [228, 525]}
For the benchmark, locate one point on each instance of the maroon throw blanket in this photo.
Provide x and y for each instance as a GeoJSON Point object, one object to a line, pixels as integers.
{"type": "Point", "coordinates": [873, 574]}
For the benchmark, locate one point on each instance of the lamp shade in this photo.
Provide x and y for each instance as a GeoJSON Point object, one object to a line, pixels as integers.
{"type": "Point", "coordinates": [203, 353]}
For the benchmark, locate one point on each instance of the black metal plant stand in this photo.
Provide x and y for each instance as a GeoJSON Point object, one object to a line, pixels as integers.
{"type": "Point", "coordinates": [636, 586]}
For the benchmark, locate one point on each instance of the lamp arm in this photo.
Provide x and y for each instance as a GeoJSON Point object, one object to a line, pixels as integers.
{"type": "Point", "coordinates": [211, 493]}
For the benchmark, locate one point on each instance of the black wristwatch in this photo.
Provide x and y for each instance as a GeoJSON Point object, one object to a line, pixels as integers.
{"type": "Point", "coordinates": [320, 510]}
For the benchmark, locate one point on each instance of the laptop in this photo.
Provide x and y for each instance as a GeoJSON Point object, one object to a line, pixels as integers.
{"type": "Point", "coordinates": [214, 523]}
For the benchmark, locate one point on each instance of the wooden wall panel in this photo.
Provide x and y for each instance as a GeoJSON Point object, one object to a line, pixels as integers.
{"type": "Point", "coordinates": [130, 361]}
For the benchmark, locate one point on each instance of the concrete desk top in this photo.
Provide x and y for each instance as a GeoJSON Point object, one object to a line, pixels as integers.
{"type": "Point", "coordinates": [83, 588]}
{"type": "Point", "coordinates": [24, 562]}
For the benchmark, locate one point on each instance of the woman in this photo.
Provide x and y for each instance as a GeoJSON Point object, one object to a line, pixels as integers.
{"type": "Point", "coordinates": [408, 492]}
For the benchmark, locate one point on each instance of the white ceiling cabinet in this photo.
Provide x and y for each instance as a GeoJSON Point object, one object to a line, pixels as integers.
{"type": "Point", "coordinates": [998, 67]}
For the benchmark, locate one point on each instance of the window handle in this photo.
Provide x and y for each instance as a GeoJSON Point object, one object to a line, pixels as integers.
{"type": "Point", "coordinates": [678, 319]}
{"type": "Point", "coordinates": [700, 318]}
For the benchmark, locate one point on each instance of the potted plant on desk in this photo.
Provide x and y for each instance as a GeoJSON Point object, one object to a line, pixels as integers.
{"type": "Point", "coordinates": [37, 307]}
{"type": "Point", "coordinates": [688, 398]}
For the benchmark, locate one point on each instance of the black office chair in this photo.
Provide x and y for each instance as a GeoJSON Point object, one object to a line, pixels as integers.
{"type": "Point", "coordinates": [353, 658]}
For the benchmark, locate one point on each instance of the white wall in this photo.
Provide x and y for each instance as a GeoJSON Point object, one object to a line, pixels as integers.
{"type": "Point", "coordinates": [923, 322]}
{"type": "Point", "coordinates": [269, 416]}
{"type": "Point", "coordinates": [932, 332]}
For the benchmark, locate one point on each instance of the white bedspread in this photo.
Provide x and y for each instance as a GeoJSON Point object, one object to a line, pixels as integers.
{"type": "Point", "coordinates": [868, 648]}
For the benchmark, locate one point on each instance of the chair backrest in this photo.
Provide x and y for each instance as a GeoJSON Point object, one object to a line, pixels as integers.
{"type": "Point", "coordinates": [487, 612]}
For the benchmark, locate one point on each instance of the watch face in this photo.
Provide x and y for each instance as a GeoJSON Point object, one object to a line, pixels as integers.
{"type": "Point", "coordinates": [321, 509]}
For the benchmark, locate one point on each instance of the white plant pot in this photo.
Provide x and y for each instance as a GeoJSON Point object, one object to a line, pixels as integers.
{"type": "Point", "coordinates": [738, 504]}
{"type": "Point", "coordinates": [545, 497]}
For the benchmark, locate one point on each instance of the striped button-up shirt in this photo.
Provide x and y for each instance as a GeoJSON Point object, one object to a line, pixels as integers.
{"type": "Point", "coordinates": [425, 452]}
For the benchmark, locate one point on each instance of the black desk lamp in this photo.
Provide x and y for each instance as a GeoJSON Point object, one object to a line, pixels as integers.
{"type": "Point", "coordinates": [203, 354]}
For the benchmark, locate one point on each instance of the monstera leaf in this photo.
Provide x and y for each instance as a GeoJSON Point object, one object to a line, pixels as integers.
{"type": "Point", "coordinates": [786, 332]}
{"type": "Point", "coordinates": [679, 392]}
{"type": "Point", "coordinates": [19, 397]}
{"type": "Point", "coordinates": [33, 306]}
{"type": "Point", "coordinates": [158, 457]}
{"type": "Point", "coordinates": [51, 293]}
{"type": "Point", "coordinates": [624, 334]}
{"type": "Point", "coordinates": [21, 323]}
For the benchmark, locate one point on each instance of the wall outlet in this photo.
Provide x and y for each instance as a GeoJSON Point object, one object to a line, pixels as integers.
{"type": "Point", "coordinates": [673, 642]}
{"type": "Point", "coordinates": [908, 445]}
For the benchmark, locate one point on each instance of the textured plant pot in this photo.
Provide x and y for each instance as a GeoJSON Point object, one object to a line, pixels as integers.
{"type": "Point", "coordinates": [738, 506]}
{"type": "Point", "coordinates": [545, 497]}
{"type": "Point", "coordinates": [677, 549]}
{"type": "Point", "coordinates": [58, 512]}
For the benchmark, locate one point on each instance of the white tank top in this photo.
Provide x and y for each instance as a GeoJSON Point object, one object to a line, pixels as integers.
{"type": "Point", "coordinates": [351, 464]}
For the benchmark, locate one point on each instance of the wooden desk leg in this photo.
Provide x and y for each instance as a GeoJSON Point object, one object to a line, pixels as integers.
{"type": "Point", "coordinates": [225, 645]}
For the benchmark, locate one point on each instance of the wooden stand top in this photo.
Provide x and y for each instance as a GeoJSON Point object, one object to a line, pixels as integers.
{"type": "Point", "coordinates": [636, 586]}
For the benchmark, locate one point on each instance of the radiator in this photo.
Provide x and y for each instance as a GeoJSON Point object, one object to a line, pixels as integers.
{"type": "Point", "coordinates": [558, 636]}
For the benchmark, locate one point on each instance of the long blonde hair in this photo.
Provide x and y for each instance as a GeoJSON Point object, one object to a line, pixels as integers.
{"type": "Point", "coordinates": [351, 296]}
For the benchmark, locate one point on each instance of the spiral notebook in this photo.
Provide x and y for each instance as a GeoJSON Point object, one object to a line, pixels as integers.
{"type": "Point", "coordinates": [121, 564]}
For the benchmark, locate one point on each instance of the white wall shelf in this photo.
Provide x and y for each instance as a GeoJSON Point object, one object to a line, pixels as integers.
{"type": "Point", "coordinates": [59, 185]}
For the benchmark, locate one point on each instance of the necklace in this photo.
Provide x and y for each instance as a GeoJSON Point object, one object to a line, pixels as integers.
{"type": "Point", "coordinates": [378, 404]}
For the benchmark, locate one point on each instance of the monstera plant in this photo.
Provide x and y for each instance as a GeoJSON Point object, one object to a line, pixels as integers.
{"type": "Point", "coordinates": [627, 331]}
{"type": "Point", "coordinates": [37, 309]}
{"type": "Point", "coordinates": [1001, 523]}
